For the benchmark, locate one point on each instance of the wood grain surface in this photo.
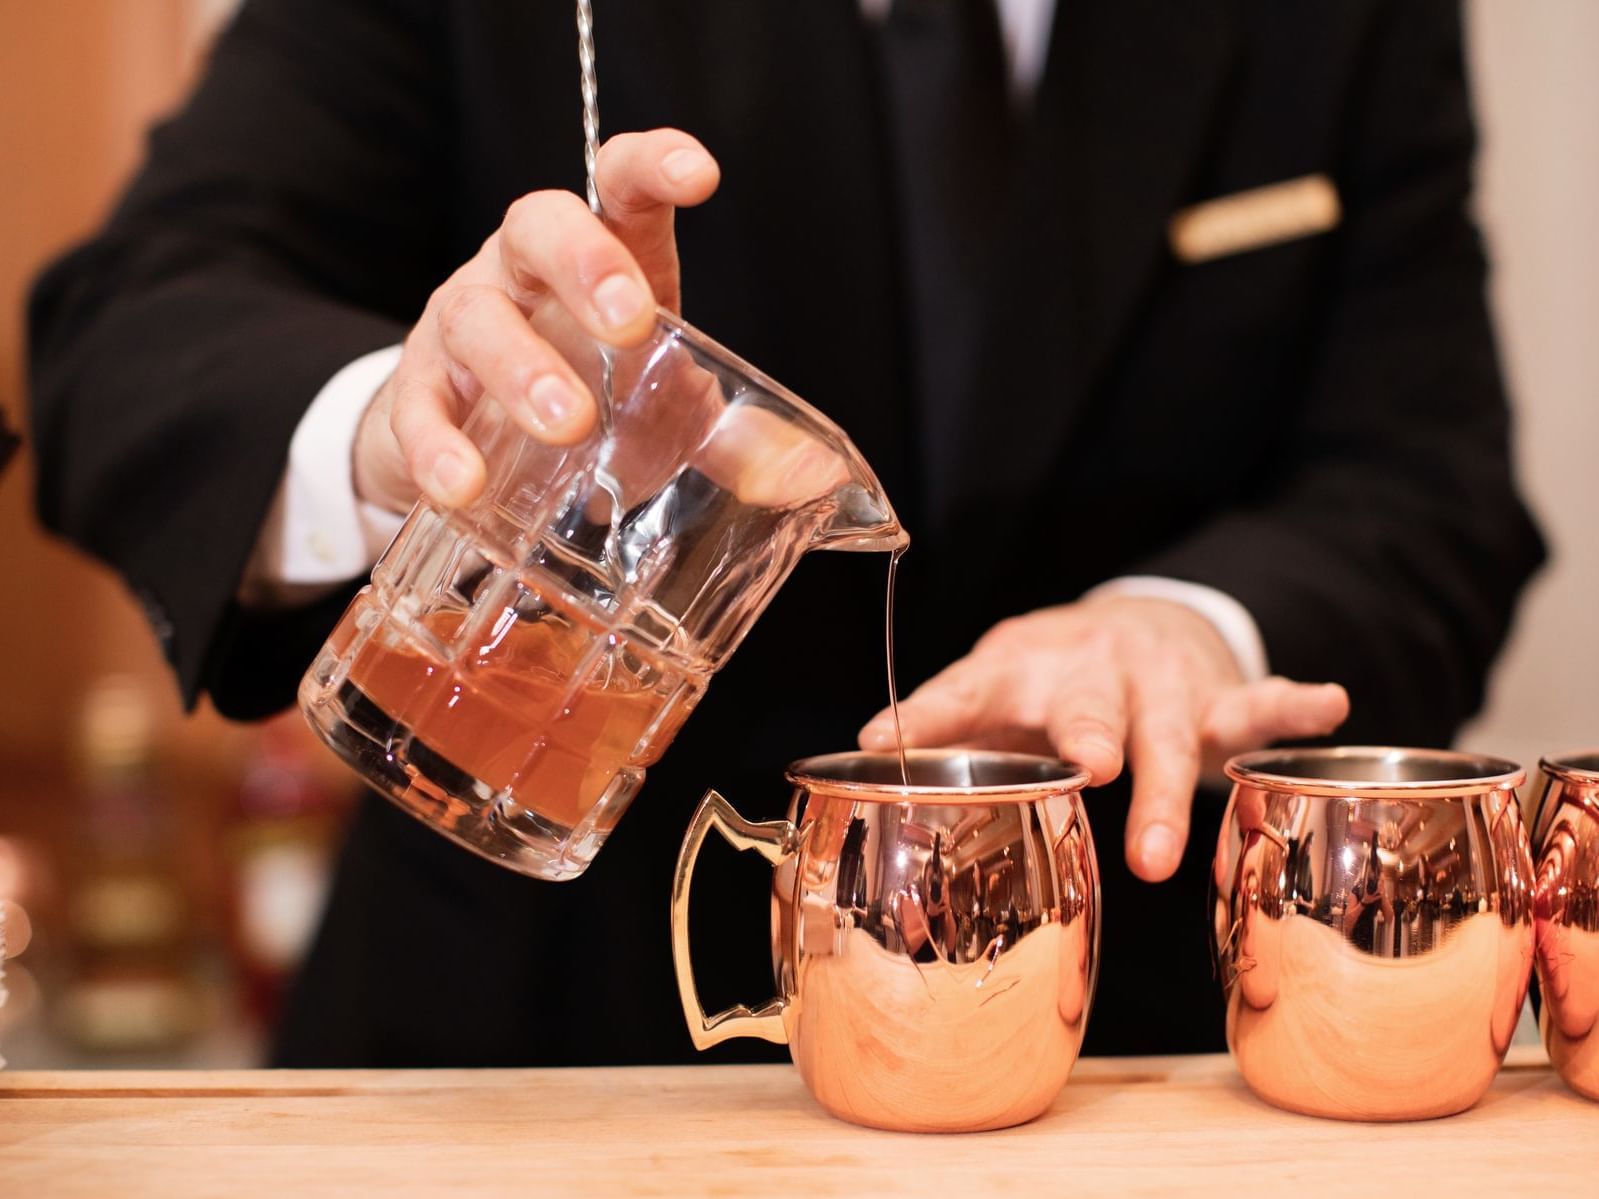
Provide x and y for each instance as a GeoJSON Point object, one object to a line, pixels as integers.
{"type": "Point", "coordinates": [1133, 1126]}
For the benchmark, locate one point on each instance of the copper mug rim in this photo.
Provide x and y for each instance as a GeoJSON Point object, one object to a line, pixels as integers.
{"type": "Point", "coordinates": [1575, 766]}
{"type": "Point", "coordinates": [1375, 772]}
{"type": "Point", "coordinates": [991, 774]}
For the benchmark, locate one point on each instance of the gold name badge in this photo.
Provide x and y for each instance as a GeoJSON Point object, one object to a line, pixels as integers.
{"type": "Point", "coordinates": [1250, 220]}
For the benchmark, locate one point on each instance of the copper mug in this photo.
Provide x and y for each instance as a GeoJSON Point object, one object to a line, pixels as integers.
{"type": "Point", "coordinates": [1372, 925]}
{"type": "Point", "coordinates": [1566, 915]}
{"type": "Point", "coordinates": [935, 945]}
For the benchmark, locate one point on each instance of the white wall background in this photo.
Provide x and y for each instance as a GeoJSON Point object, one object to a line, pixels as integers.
{"type": "Point", "coordinates": [1536, 75]}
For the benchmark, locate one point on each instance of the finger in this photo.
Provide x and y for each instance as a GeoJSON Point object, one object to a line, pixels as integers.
{"type": "Point", "coordinates": [961, 702]}
{"type": "Point", "coordinates": [767, 461]}
{"type": "Point", "coordinates": [643, 178]}
{"type": "Point", "coordinates": [1255, 714]}
{"type": "Point", "coordinates": [441, 458]}
{"type": "Point", "coordinates": [18, 929]}
{"type": "Point", "coordinates": [551, 242]}
{"type": "Point", "coordinates": [1087, 722]}
{"type": "Point", "coordinates": [1163, 744]}
{"type": "Point", "coordinates": [485, 333]}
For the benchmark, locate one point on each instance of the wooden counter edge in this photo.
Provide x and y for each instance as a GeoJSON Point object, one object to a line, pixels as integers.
{"type": "Point", "coordinates": [1190, 1070]}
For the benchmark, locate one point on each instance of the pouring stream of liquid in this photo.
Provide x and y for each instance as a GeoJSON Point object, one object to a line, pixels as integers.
{"type": "Point", "coordinates": [888, 642]}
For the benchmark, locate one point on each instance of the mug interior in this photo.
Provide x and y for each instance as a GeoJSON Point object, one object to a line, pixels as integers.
{"type": "Point", "coordinates": [944, 773]}
{"type": "Point", "coordinates": [1374, 769]}
{"type": "Point", "coordinates": [1579, 766]}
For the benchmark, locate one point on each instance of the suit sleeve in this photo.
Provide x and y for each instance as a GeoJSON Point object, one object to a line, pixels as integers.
{"type": "Point", "coordinates": [285, 222]}
{"type": "Point", "coordinates": [1386, 544]}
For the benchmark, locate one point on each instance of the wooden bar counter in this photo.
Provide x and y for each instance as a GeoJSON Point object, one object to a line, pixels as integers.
{"type": "Point", "coordinates": [1131, 1126]}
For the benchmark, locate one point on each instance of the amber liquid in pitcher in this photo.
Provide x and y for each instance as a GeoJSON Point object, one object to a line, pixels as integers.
{"type": "Point", "coordinates": [514, 719]}
{"type": "Point", "coordinates": [546, 716]}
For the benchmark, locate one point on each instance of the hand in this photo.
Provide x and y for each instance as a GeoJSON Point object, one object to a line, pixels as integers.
{"type": "Point", "coordinates": [18, 931]}
{"type": "Point", "coordinates": [1085, 680]}
{"type": "Point", "coordinates": [474, 336]}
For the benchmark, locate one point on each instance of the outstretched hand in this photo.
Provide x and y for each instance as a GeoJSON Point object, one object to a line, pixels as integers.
{"type": "Point", "coordinates": [1111, 681]}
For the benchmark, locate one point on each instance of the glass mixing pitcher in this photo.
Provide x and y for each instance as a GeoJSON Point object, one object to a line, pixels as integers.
{"type": "Point", "coordinates": [514, 666]}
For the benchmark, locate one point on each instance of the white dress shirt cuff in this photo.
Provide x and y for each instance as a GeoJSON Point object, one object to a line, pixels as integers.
{"type": "Point", "coordinates": [317, 533]}
{"type": "Point", "coordinates": [1229, 617]}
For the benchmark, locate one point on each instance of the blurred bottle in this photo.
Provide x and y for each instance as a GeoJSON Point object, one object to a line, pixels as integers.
{"type": "Point", "coordinates": [280, 840]}
{"type": "Point", "coordinates": [23, 881]}
{"type": "Point", "coordinates": [132, 984]}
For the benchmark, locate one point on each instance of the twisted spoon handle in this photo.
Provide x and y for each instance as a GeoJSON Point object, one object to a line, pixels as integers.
{"type": "Point", "coordinates": [591, 99]}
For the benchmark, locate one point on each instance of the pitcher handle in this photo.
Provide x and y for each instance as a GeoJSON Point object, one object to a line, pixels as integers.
{"type": "Point", "coordinates": [774, 840]}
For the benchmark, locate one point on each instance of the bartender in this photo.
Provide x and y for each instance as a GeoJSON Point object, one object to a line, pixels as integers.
{"type": "Point", "coordinates": [1163, 326]}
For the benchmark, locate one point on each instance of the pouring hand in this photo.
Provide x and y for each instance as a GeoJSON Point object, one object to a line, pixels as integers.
{"type": "Point", "coordinates": [474, 337]}
{"type": "Point", "coordinates": [1107, 680]}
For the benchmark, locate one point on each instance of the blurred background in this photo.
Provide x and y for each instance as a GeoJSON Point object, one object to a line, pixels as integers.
{"type": "Point", "coordinates": [174, 865]}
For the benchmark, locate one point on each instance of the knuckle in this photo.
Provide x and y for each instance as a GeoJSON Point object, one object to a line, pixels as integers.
{"type": "Point", "coordinates": [407, 432]}
{"type": "Point", "coordinates": [593, 256]}
{"type": "Point", "coordinates": [1009, 634]}
{"type": "Point", "coordinates": [1182, 753]}
{"type": "Point", "coordinates": [1101, 645]}
{"type": "Point", "coordinates": [962, 692]}
{"type": "Point", "coordinates": [462, 379]}
{"type": "Point", "coordinates": [679, 139]}
{"type": "Point", "coordinates": [961, 689]}
{"type": "Point", "coordinates": [525, 208]}
{"type": "Point", "coordinates": [1171, 735]}
{"type": "Point", "coordinates": [1280, 689]}
{"type": "Point", "coordinates": [1137, 640]}
{"type": "Point", "coordinates": [519, 376]}
{"type": "Point", "coordinates": [456, 309]}
{"type": "Point", "coordinates": [614, 150]}
{"type": "Point", "coordinates": [526, 366]}
{"type": "Point", "coordinates": [1092, 728]}
{"type": "Point", "coordinates": [530, 215]}
{"type": "Point", "coordinates": [416, 459]}
{"type": "Point", "coordinates": [403, 416]}
{"type": "Point", "coordinates": [517, 213]}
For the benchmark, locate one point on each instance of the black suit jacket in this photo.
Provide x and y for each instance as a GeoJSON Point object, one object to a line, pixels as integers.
{"type": "Point", "coordinates": [1317, 428]}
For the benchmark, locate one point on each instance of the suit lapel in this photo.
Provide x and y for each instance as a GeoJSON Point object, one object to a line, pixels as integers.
{"type": "Point", "coordinates": [1119, 123]}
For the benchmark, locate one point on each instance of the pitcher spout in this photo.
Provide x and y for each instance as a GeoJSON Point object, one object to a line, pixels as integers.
{"type": "Point", "coordinates": [862, 520]}
{"type": "Point", "coordinates": [857, 514]}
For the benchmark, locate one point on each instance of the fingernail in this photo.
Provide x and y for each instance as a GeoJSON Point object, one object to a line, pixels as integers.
{"type": "Point", "coordinates": [682, 165]}
{"type": "Point", "coordinates": [449, 474]}
{"type": "Point", "coordinates": [554, 402]}
{"type": "Point", "coordinates": [1159, 848]}
{"type": "Point", "coordinates": [620, 300]}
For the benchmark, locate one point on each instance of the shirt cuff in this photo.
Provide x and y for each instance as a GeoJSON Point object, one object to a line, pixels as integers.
{"type": "Point", "coordinates": [318, 534]}
{"type": "Point", "coordinates": [1230, 618]}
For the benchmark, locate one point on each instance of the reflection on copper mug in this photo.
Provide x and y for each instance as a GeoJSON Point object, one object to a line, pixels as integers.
{"type": "Point", "coordinates": [1372, 924]}
{"type": "Point", "coordinates": [935, 945]}
{"type": "Point", "coordinates": [1566, 914]}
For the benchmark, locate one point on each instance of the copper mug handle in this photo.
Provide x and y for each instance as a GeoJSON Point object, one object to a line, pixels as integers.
{"type": "Point", "coordinates": [774, 840]}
